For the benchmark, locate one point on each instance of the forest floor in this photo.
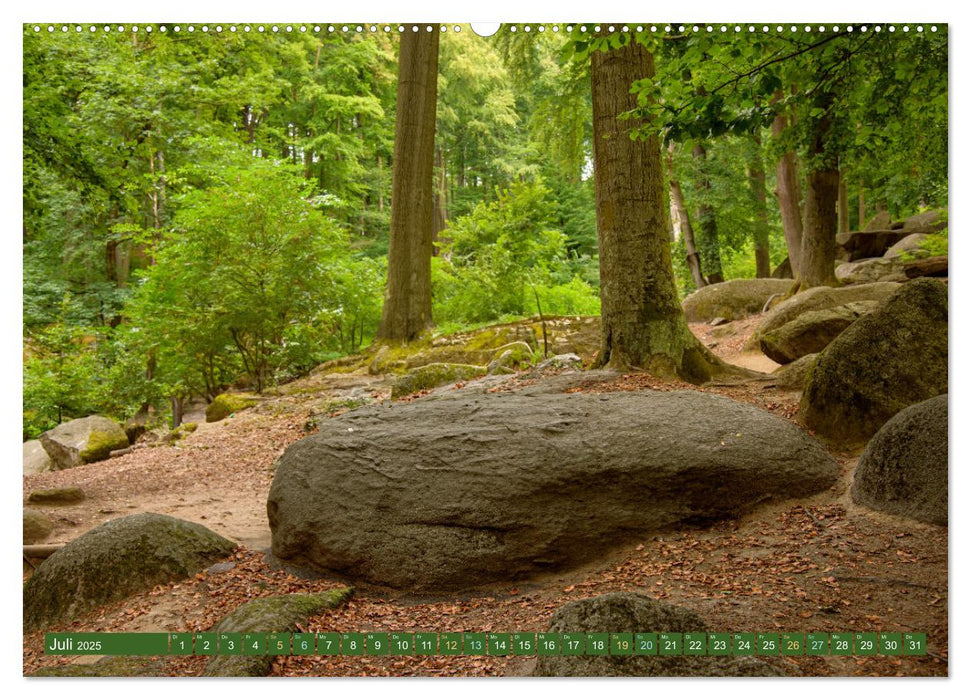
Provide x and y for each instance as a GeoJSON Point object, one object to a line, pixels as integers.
{"type": "Point", "coordinates": [813, 564]}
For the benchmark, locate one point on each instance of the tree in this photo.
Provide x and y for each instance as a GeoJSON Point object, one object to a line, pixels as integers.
{"type": "Point", "coordinates": [407, 311]}
{"type": "Point", "coordinates": [642, 323]}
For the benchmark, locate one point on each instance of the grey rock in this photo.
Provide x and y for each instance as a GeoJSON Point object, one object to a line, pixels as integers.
{"type": "Point", "coordinates": [566, 361]}
{"type": "Point", "coordinates": [630, 612]}
{"type": "Point", "coordinates": [819, 298]}
{"type": "Point", "coordinates": [471, 488]}
{"type": "Point", "coordinates": [869, 270]}
{"type": "Point", "coordinates": [82, 441]}
{"type": "Point", "coordinates": [37, 526]}
{"type": "Point", "coordinates": [732, 300]}
{"type": "Point", "coordinates": [36, 459]}
{"type": "Point", "coordinates": [909, 244]}
{"type": "Point", "coordinates": [60, 496]}
{"type": "Point", "coordinates": [812, 331]}
{"type": "Point", "coordinates": [115, 560]}
{"type": "Point", "coordinates": [882, 220]}
{"type": "Point", "coordinates": [904, 467]}
{"type": "Point", "coordinates": [889, 359]}
{"type": "Point", "coordinates": [274, 614]}
{"type": "Point", "coordinates": [792, 377]}
{"type": "Point", "coordinates": [433, 375]}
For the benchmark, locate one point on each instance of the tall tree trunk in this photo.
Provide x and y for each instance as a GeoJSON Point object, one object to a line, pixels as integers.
{"type": "Point", "coordinates": [818, 256]}
{"type": "Point", "coordinates": [677, 203]}
{"type": "Point", "coordinates": [407, 311]}
{"type": "Point", "coordinates": [441, 199]}
{"type": "Point", "coordinates": [843, 208]}
{"type": "Point", "coordinates": [861, 209]}
{"type": "Point", "coordinates": [707, 225]}
{"type": "Point", "coordinates": [788, 194]}
{"type": "Point", "coordinates": [642, 324]}
{"type": "Point", "coordinates": [760, 229]}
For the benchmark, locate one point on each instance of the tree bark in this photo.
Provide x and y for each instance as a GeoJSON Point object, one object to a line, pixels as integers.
{"type": "Point", "coordinates": [760, 229]}
{"type": "Point", "coordinates": [861, 209]}
{"type": "Point", "coordinates": [677, 203]}
{"type": "Point", "coordinates": [843, 208]}
{"type": "Point", "coordinates": [817, 266]}
{"type": "Point", "coordinates": [788, 194]}
{"type": "Point", "coordinates": [707, 225]}
{"type": "Point", "coordinates": [407, 311]}
{"type": "Point", "coordinates": [642, 324]}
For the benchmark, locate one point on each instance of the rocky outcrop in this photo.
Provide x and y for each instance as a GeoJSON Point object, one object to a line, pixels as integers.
{"type": "Point", "coordinates": [83, 441]}
{"type": "Point", "coordinates": [36, 459]}
{"type": "Point", "coordinates": [433, 375]}
{"type": "Point", "coordinates": [892, 358]}
{"type": "Point", "coordinates": [812, 331]}
{"type": "Point", "coordinates": [732, 300]}
{"type": "Point", "coordinates": [225, 405]}
{"type": "Point", "coordinates": [904, 467]}
{"type": "Point", "coordinates": [469, 488]}
{"type": "Point", "coordinates": [115, 560]}
{"type": "Point", "coordinates": [37, 526]}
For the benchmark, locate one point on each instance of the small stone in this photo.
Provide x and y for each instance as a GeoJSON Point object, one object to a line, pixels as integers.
{"type": "Point", "coordinates": [57, 496]}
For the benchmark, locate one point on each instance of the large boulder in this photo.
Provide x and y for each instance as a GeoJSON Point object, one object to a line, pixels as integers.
{"type": "Point", "coordinates": [889, 359]}
{"type": "Point", "coordinates": [115, 560]}
{"type": "Point", "coordinates": [792, 377]}
{"type": "Point", "coordinates": [472, 488]}
{"type": "Point", "coordinates": [37, 526]}
{"type": "Point", "coordinates": [911, 244]}
{"type": "Point", "coordinates": [904, 467]}
{"type": "Point", "coordinates": [868, 270]}
{"type": "Point", "coordinates": [733, 299]}
{"type": "Point", "coordinates": [281, 613]}
{"type": "Point", "coordinates": [630, 612]}
{"type": "Point", "coordinates": [812, 331]}
{"type": "Point", "coordinates": [819, 298]}
{"type": "Point", "coordinates": [856, 245]}
{"type": "Point", "coordinates": [82, 441]}
{"type": "Point", "coordinates": [36, 459]}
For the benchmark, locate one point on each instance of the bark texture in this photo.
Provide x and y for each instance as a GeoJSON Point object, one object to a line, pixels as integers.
{"type": "Point", "coordinates": [642, 324]}
{"type": "Point", "coordinates": [788, 194]}
{"type": "Point", "coordinates": [407, 311]}
{"type": "Point", "coordinates": [817, 265]}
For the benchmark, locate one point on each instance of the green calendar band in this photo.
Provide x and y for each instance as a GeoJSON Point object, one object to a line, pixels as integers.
{"type": "Point", "coordinates": [487, 644]}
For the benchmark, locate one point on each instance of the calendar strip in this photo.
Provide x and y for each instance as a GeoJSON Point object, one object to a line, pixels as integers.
{"type": "Point", "coordinates": [487, 644]}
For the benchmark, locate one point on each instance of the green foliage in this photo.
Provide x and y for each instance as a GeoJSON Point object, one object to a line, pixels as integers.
{"type": "Point", "coordinates": [240, 281]}
{"type": "Point", "coordinates": [497, 259]}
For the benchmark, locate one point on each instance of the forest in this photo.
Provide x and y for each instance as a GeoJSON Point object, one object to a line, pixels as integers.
{"type": "Point", "coordinates": [239, 239]}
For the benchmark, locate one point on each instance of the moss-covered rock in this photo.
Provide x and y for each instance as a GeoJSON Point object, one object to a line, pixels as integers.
{"type": "Point", "coordinates": [812, 331]}
{"type": "Point", "coordinates": [180, 432]}
{"type": "Point", "coordinates": [107, 667]}
{"type": "Point", "coordinates": [117, 559]}
{"type": "Point", "coordinates": [732, 300]}
{"type": "Point", "coordinates": [226, 405]}
{"type": "Point", "coordinates": [511, 357]}
{"type": "Point", "coordinates": [817, 299]}
{"type": "Point", "coordinates": [792, 377]}
{"type": "Point", "coordinates": [433, 375]}
{"type": "Point", "coordinates": [63, 496]}
{"type": "Point", "coordinates": [904, 467]}
{"type": "Point", "coordinates": [889, 359]}
{"type": "Point", "coordinates": [630, 612]}
{"type": "Point", "coordinates": [37, 526]}
{"type": "Point", "coordinates": [83, 441]}
{"type": "Point", "coordinates": [275, 614]}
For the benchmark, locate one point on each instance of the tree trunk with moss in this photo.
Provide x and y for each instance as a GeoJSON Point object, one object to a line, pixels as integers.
{"type": "Point", "coordinates": [642, 324]}
{"type": "Point", "coordinates": [817, 266]}
{"type": "Point", "coordinates": [407, 311]}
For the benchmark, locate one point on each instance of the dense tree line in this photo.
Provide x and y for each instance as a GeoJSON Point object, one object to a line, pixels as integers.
{"type": "Point", "coordinates": [201, 210]}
